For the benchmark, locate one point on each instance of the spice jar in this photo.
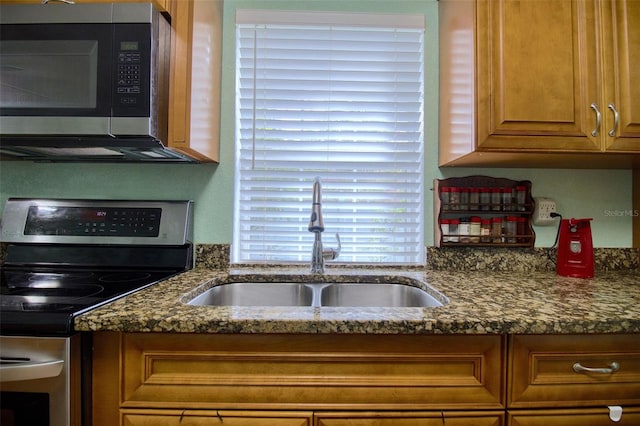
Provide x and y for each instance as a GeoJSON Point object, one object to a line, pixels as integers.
{"type": "Point", "coordinates": [464, 198]}
{"type": "Point", "coordinates": [474, 198]}
{"type": "Point", "coordinates": [474, 229]}
{"type": "Point", "coordinates": [521, 198]}
{"type": "Point", "coordinates": [454, 224]}
{"type": "Point", "coordinates": [510, 229]}
{"type": "Point", "coordinates": [485, 199]}
{"type": "Point", "coordinates": [506, 199]}
{"type": "Point", "coordinates": [463, 230]}
{"type": "Point", "coordinates": [496, 230]}
{"type": "Point", "coordinates": [444, 228]}
{"type": "Point", "coordinates": [454, 198]}
{"type": "Point", "coordinates": [496, 198]}
{"type": "Point", "coordinates": [485, 231]}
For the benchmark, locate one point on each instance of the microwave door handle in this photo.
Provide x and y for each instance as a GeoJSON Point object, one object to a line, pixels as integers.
{"type": "Point", "coordinates": [23, 371]}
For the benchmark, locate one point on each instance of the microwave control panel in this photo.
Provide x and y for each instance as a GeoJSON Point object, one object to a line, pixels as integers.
{"type": "Point", "coordinates": [128, 70]}
{"type": "Point", "coordinates": [132, 69]}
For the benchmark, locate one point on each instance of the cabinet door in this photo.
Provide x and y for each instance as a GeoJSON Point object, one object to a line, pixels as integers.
{"type": "Point", "coordinates": [434, 418]}
{"type": "Point", "coordinates": [213, 417]}
{"type": "Point", "coordinates": [537, 75]}
{"type": "Point", "coordinates": [591, 417]}
{"type": "Point", "coordinates": [621, 21]}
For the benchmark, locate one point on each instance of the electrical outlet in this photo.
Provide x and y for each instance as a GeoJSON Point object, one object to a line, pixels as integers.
{"type": "Point", "coordinates": [542, 212]}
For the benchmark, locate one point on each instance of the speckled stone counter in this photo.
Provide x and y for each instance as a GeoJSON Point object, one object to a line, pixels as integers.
{"type": "Point", "coordinates": [479, 303]}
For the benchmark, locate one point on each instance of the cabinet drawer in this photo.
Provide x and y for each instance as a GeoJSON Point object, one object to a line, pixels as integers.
{"type": "Point", "coordinates": [212, 417]}
{"type": "Point", "coordinates": [582, 417]}
{"type": "Point", "coordinates": [312, 371]}
{"type": "Point", "coordinates": [432, 418]}
{"type": "Point", "coordinates": [542, 370]}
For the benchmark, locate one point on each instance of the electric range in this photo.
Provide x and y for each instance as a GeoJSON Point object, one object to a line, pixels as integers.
{"type": "Point", "coordinates": [64, 258]}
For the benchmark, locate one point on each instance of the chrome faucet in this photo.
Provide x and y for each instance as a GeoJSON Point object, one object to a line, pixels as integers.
{"type": "Point", "coordinates": [316, 225]}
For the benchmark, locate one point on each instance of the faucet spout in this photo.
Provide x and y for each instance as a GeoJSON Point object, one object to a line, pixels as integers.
{"type": "Point", "coordinates": [316, 224]}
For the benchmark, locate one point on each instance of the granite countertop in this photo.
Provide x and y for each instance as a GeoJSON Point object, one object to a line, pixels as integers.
{"type": "Point", "coordinates": [480, 302]}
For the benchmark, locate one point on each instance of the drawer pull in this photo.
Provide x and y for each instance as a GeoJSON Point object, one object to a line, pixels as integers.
{"type": "Point", "coordinates": [613, 367]}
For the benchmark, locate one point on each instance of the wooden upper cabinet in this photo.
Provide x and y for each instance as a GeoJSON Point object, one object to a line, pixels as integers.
{"type": "Point", "coordinates": [621, 23]}
{"type": "Point", "coordinates": [194, 94]}
{"type": "Point", "coordinates": [522, 79]}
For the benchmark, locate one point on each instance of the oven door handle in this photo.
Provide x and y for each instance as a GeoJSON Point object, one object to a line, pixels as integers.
{"type": "Point", "coordinates": [30, 370]}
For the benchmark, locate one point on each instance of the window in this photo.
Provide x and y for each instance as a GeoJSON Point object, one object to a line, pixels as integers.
{"type": "Point", "coordinates": [340, 97]}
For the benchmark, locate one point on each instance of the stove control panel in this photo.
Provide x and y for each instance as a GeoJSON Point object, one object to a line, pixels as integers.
{"type": "Point", "coordinates": [99, 221]}
{"type": "Point", "coordinates": [96, 222]}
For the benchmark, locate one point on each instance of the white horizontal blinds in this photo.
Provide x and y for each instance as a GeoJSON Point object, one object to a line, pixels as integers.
{"type": "Point", "coordinates": [344, 103]}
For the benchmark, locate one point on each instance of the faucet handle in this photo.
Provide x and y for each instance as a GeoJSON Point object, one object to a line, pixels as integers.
{"type": "Point", "coordinates": [331, 253]}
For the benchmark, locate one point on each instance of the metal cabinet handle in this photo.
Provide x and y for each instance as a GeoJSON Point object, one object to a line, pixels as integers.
{"type": "Point", "coordinates": [61, 1]}
{"type": "Point", "coordinates": [613, 367]}
{"type": "Point", "coordinates": [616, 120]}
{"type": "Point", "coordinates": [596, 130]}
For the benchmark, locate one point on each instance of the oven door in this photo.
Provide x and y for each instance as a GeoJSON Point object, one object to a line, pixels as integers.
{"type": "Point", "coordinates": [40, 381]}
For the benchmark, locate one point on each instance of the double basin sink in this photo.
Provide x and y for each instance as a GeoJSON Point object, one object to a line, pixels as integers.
{"type": "Point", "coordinates": [319, 294]}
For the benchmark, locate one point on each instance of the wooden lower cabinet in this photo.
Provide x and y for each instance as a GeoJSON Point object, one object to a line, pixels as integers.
{"type": "Point", "coordinates": [430, 418]}
{"type": "Point", "coordinates": [147, 379]}
{"type": "Point", "coordinates": [213, 417]}
{"type": "Point", "coordinates": [581, 417]}
{"type": "Point", "coordinates": [142, 379]}
{"type": "Point", "coordinates": [558, 374]}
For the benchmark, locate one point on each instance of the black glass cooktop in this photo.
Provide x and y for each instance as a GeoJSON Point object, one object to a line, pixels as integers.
{"type": "Point", "coordinates": [45, 302]}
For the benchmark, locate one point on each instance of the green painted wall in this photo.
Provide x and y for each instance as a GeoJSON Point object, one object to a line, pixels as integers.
{"type": "Point", "coordinates": [604, 195]}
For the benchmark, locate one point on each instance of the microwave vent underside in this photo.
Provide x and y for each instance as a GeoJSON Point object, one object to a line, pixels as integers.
{"type": "Point", "coordinates": [64, 149]}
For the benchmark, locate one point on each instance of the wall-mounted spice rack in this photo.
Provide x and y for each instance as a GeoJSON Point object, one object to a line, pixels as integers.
{"type": "Point", "coordinates": [483, 211]}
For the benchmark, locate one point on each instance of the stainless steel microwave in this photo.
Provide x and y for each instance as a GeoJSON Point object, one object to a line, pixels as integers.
{"type": "Point", "coordinates": [84, 82]}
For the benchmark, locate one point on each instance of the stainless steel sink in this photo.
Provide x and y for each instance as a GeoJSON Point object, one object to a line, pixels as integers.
{"type": "Point", "coordinates": [377, 295]}
{"type": "Point", "coordinates": [256, 294]}
{"type": "Point", "coordinates": [318, 294]}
